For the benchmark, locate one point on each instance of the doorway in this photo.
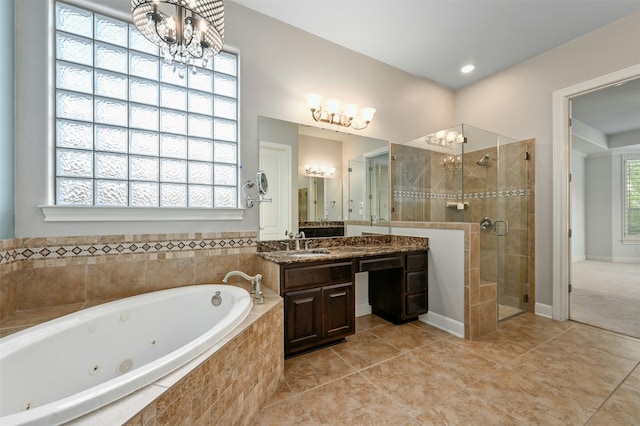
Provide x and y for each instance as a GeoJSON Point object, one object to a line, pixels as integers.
{"type": "Point", "coordinates": [562, 256]}
{"type": "Point", "coordinates": [275, 217]}
{"type": "Point", "coordinates": [605, 199]}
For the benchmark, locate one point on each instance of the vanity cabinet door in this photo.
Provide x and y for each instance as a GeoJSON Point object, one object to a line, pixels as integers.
{"type": "Point", "coordinates": [338, 310]}
{"type": "Point", "coordinates": [303, 313]}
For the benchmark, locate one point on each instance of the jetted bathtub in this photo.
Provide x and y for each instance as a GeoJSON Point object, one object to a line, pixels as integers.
{"type": "Point", "coordinates": [59, 370]}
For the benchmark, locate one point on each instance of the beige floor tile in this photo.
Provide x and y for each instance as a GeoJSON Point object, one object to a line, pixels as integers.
{"type": "Point", "coordinates": [559, 371]}
{"type": "Point", "coordinates": [413, 385]}
{"type": "Point", "coordinates": [283, 391]}
{"type": "Point", "coordinates": [408, 336]}
{"type": "Point", "coordinates": [496, 346]}
{"type": "Point", "coordinates": [351, 400]}
{"type": "Point", "coordinates": [287, 412]}
{"type": "Point", "coordinates": [529, 401]}
{"type": "Point", "coordinates": [578, 357]}
{"type": "Point", "coordinates": [606, 341]}
{"type": "Point", "coordinates": [622, 408]}
{"type": "Point", "coordinates": [460, 365]}
{"type": "Point", "coordinates": [365, 349]}
{"type": "Point", "coordinates": [634, 378]}
{"type": "Point", "coordinates": [463, 409]}
{"type": "Point", "coordinates": [316, 368]}
{"type": "Point", "coordinates": [537, 322]}
{"type": "Point", "coordinates": [366, 322]}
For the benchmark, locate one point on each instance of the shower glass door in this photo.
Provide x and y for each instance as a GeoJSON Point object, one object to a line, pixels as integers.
{"type": "Point", "coordinates": [511, 226]}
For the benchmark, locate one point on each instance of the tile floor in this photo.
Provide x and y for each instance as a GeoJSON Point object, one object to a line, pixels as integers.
{"type": "Point", "coordinates": [533, 370]}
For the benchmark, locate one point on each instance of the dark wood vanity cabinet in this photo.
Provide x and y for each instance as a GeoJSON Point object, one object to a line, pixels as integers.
{"type": "Point", "coordinates": [415, 289]}
{"type": "Point", "coordinates": [319, 304]}
{"type": "Point", "coordinates": [397, 286]}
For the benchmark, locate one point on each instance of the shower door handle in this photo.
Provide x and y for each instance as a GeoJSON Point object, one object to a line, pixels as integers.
{"type": "Point", "coordinates": [497, 228]}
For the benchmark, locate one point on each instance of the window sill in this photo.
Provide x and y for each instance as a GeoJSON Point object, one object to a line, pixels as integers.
{"type": "Point", "coordinates": [136, 214]}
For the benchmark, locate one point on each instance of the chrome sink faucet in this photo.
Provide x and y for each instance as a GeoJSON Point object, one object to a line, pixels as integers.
{"type": "Point", "coordinates": [256, 280]}
{"type": "Point", "coordinates": [296, 240]}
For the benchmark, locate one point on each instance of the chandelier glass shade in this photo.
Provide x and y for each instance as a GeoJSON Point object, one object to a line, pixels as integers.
{"type": "Point", "coordinates": [190, 32]}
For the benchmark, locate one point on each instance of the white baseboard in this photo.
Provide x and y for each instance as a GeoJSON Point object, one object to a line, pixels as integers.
{"type": "Point", "coordinates": [615, 259]}
{"type": "Point", "coordinates": [449, 325]}
{"type": "Point", "coordinates": [577, 259]}
{"type": "Point", "coordinates": [544, 310]}
{"type": "Point", "coordinates": [363, 309]}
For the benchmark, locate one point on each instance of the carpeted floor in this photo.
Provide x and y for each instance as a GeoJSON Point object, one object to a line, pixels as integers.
{"type": "Point", "coordinates": [607, 295]}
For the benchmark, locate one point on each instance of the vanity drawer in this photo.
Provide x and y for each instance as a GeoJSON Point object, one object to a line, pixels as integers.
{"type": "Point", "coordinates": [317, 275]}
{"type": "Point", "coordinates": [416, 262]}
{"type": "Point", "coordinates": [380, 263]}
{"type": "Point", "coordinates": [416, 282]}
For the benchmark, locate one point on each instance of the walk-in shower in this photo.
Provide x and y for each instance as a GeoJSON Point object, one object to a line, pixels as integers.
{"type": "Point", "coordinates": [466, 174]}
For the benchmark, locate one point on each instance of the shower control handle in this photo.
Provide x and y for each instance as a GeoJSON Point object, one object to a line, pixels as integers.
{"type": "Point", "coordinates": [486, 224]}
{"type": "Point", "coordinates": [501, 232]}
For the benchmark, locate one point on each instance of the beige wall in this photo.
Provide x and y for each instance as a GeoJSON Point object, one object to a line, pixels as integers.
{"type": "Point", "coordinates": [518, 101]}
{"type": "Point", "coordinates": [279, 65]}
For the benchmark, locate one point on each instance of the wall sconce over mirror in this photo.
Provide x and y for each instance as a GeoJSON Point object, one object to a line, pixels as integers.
{"type": "Point", "coordinates": [261, 184]}
{"type": "Point", "coordinates": [185, 31]}
{"type": "Point", "coordinates": [445, 138]}
{"type": "Point", "coordinates": [333, 112]}
{"type": "Point", "coordinates": [319, 171]}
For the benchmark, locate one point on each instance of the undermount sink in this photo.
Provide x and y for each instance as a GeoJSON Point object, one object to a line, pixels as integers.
{"type": "Point", "coordinates": [308, 253]}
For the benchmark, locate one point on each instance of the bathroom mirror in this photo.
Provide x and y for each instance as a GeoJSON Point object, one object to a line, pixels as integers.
{"type": "Point", "coordinates": [261, 181]}
{"type": "Point", "coordinates": [319, 199]}
{"type": "Point", "coordinates": [286, 148]}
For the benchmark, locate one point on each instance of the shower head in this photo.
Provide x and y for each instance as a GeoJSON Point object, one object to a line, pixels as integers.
{"type": "Point", "coordinates": [484, 161]}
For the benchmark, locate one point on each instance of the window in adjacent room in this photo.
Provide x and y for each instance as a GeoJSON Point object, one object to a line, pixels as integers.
{"type": "Point", "coordinates": [631, 197]}
{"type": "Point", "coordinates": [129, 130]}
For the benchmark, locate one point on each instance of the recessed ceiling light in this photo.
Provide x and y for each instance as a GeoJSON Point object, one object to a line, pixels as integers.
{"type": "Point", "coordinates": [467, 68]}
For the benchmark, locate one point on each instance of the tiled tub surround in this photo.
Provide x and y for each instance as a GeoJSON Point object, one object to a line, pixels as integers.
{"type": "Point", "coordinates": [66, 274]}
{"type": "Point", "coordinates": [227, 384]}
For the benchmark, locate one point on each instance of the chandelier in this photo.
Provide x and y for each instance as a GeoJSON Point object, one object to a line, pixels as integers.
{"type": "Point", "coordinates": [187, 31]}
{"type": "Point", "coordinates": [332, 113]}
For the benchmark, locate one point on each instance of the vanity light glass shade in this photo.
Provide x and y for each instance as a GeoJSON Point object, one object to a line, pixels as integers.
{"type": "Point", "coordinates": [333, 112]}
{"type": "Point", "coordinates": [313, 101]}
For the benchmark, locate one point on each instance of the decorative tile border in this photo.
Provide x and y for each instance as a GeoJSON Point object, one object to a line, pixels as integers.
{"type": "Point", "coordinates": [100, 249]}
{"type": "Point", "coordinates": [455, 196]}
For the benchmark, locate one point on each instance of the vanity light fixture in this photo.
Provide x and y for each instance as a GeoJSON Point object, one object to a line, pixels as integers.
{"type": "Point", "coordinates": [445, 138]}
{"type": "Point", "coordinates": [319, 171]}
{"type": "Point", "coordinates": [331, 112]}
{"type": "Point", "coordinates": [187, 31]}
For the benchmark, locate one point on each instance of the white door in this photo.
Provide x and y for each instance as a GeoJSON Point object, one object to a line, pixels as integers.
{"type": "Point", "coordinates": [275, 217]}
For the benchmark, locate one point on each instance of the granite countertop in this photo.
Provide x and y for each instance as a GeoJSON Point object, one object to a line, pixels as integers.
{"type": "Point", "coordinates": [338, 248]}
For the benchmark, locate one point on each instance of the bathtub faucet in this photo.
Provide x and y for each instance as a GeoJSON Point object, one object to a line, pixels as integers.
{"type": "Point", "coordinates": [256, 280]}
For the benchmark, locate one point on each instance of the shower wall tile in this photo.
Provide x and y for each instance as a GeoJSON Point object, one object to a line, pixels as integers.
{"type": "Point", "coordinates": [483, 319]}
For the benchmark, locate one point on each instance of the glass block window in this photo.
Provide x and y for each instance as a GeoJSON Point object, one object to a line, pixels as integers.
{"type": "Point", "coordinates": [631, 198]}
{"type": "Point", "coordinates": [133, 131]}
